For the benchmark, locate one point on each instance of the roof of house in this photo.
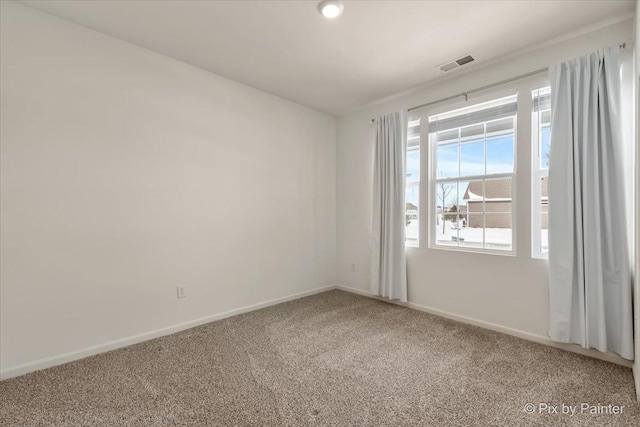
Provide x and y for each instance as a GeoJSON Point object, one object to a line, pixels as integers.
{"type": "Point", "coordinates": [497, 190]}
{"type": "Point", "coordinates": [411, 207]}
{"type": "Point", "coordinates": [493, 189]}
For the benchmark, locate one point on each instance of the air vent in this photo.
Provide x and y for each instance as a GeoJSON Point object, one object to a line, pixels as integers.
{"type": "Point", "coordinates": [456, 63]}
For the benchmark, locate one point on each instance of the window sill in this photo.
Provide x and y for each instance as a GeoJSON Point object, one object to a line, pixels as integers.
{"type": "Point", "coordinates": [540, 256]}
{"type": "Point", "coordinates": [511, 253]}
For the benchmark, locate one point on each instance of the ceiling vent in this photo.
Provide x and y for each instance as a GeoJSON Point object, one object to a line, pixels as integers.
{"type": "Point", "coordinates": [456, 63]}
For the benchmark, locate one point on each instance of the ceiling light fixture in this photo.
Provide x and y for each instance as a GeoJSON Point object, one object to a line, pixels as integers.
{"type": "Point", "coordinates": [330, 9]}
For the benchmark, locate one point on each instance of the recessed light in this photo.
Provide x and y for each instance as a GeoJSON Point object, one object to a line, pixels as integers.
{"type": "Point", "coordinates": [330, 9]}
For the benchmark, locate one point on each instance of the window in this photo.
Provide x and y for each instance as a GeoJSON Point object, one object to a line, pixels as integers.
{"type": "Point", "coordinates": [412, 195]}
{"type": "Point", "coordinates": [540, 142]}
{"type": "Point", "coordinates": [473, 176]}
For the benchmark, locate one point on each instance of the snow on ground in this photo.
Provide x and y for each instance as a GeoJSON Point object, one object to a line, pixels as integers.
{"type": "Point", "coordinates": [411, 232]}
{"type": "Point", "coordinates": [496, 238]}
{"type": "Point", "coordinates": [472, 237]}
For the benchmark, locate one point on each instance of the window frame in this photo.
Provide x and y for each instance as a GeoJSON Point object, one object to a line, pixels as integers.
{"type": "Point", "coordinates": [417, 183]}
{"type": "Point", "coordinates": [433, 146]}
{"type": "Point", "coordinates": [537, 173]}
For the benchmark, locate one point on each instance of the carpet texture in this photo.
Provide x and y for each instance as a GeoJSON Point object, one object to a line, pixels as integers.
{"type": "Point", "coordinates": [330, 359]}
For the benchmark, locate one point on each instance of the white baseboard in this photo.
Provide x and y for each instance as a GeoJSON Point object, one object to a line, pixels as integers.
{"type": "Point", "coordinates": [14, 371]}
{"type": "Point", "coordinates": [48, 362]}
{"type": "Point", "coordinates": [608, 357]}
{"type": "Point", "coordinates": [636, 378]}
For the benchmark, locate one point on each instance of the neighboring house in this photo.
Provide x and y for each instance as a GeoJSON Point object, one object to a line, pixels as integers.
{"type": "Point", "coordinates": [497, 203]}
{"type": "Point", "coordinates": [545, 203]}
{"type": "Point", "coordinates": [411, 211]}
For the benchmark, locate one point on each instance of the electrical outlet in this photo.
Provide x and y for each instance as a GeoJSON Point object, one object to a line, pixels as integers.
{"type": "Point", "coordinates": [182, 291]}
{"type": "Point", "coordinates": [353, 267]}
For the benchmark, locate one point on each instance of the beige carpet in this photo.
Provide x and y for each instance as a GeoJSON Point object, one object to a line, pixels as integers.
{"type": "Point", "coordinates": [331, 359]}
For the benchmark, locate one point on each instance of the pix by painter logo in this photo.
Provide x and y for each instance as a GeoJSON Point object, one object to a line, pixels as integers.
{"type": "Point", "coordinates": [546, 408]}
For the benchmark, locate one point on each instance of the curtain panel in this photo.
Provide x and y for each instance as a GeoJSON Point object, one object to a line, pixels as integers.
{"type": "Point", "coordinates": [590, 274]}
{"type": "Point", "coordinates": [388, 259]}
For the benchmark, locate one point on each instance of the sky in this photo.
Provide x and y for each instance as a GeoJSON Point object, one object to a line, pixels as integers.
{"type": "Point", "coordinates": [499, 153]}
{"type": "Point", "coordinates": [470, 162]}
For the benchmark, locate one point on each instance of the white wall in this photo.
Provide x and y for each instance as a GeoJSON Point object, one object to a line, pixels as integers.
{"type": "Point", "coordinates": [125, 173]}
{"type": "Point", "coordinates": [636, 367]}
{"type": "Point", "coordinates": [508, 293]}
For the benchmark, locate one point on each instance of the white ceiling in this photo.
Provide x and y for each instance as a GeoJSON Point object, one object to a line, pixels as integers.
{"type": "Point", "coordinates": [375, 49]}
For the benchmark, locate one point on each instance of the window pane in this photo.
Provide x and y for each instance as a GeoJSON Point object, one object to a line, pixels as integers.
{"type": "Point", "coordinates": [447, 136]}
{"type": "Point", "coordinates": [447, 160]}
{"type": "Point", "coordinates": [544, 233]}
{"type": "Point", "coordinates": [500, 127]}
{"type": "Point", "coordinates": [411, 220]}
{"type": "Point", "coordinates": [472, 158]}
{"type": "Point", "coordinates": [413, 133]}
{"type": "Point", "coordinates": [472, 208]}
{"type": "Point", "coordinates": [498, 232]}
{"type": "Point", "coordinates": [498, 195]}
{"type": "Point", "coordinates": [446, 212]}
{"type": "Point", "coordinates": [541, 143]}
{"type": "Point", "coordinates": [472, 232]}
{"type": "Point", "coordinates": [498, 207]}
{"type": "Point", "coordinates": [545, 146]}
{"type": "Point", "coordinates": [471, 196]}
{"type": "Point", "coordinates": [484, 212]}
{"type": "Point", "coordinates": [472, 132]}
{"type": "Point", "coordinates": [500, 154]}
{"type": "Point", "coordinates": [544, 215]}
{"type": "Point", "coordinates": [413, 164]}
{"type": "Point", "coordinates": [413, 183]}
{"type": "Point", "coordinates": [542, 122]}
{"type": "Point", "coordinates": [545, 118]}
{"type": "Point", "coordinates": [445, 235]}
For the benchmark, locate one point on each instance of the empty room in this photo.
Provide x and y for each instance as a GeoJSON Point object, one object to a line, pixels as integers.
{"type": "Point", "coordinates": [319, 213]}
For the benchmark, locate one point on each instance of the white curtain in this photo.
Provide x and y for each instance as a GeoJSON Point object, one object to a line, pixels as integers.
{"type": "Point", "coordinates": [388, 261]}
{"type": "Point", "coordinates": [590, 276]}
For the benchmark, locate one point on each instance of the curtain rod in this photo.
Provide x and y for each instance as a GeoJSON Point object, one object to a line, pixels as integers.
{"type": "Point", "coordinates": [480, 89]}
{"type": "Point", "coordinates": [468, 92]}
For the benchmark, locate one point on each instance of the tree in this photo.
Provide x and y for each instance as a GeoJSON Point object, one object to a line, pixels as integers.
{"type": "Point", "coordinates": [452, 214]}
{"type": "Point", "coordinates": [444, 190]}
